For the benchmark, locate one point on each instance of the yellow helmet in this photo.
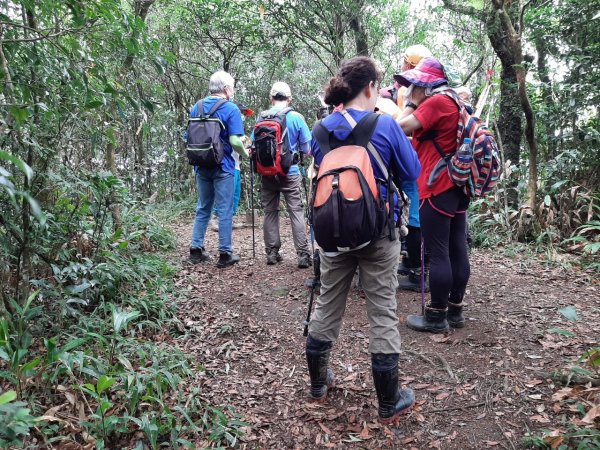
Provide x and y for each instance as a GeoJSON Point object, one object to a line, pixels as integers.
{"type": "Point", "coordinates": [415, 53]}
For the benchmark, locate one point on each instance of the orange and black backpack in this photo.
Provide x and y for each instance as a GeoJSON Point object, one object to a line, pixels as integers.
{"type": "Point", "coordinates": [348, 211]}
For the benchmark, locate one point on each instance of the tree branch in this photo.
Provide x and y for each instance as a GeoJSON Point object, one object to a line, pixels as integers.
{"type": "Point", "coordinates": [477, 67]}
{"type": "Point", "coordinates": [20, 241]}
{"type": "Point", "coordinates": [521, 14]}
{"type": "Point", "coordinates": [4, 63]}
{"type": "Point", "coordinates": [42, 34]}
{"type": "Point", "coordinates": [466, 10]}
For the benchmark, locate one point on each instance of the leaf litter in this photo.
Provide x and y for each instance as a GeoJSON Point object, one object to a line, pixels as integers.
{"type": "Point", "coordinates": [478, 387]}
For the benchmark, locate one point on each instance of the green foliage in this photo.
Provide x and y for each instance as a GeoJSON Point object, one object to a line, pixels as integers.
{"type": "Point", "coordinates": [222, 430]}
{"type": "Point", "coordinates": [15, 421]}
{"type": "Point", "coordinates": [95, 310]}
{"type": "Point", "coordinates": [573, 438]}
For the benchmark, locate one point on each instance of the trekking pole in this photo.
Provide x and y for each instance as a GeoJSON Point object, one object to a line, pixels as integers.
{"type": "Point", "coordinates": [316, 281]}
{"type": "Point", "coordinates": [252, 205]}
{"type": "Point", "coordinates": [422, 276]}
{"type": "Point", "coordinates": [246, 190]}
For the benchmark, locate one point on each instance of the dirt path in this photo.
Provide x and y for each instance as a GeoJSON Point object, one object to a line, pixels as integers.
{"type": "Point", "coordinates": [479, 387]}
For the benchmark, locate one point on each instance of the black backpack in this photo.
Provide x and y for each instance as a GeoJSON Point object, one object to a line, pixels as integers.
{"type": "Point", "coordinates": [204, 144]}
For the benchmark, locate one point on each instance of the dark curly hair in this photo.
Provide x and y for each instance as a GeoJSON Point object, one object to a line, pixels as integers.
{"type": "Point", "coordinates": [352, 77]}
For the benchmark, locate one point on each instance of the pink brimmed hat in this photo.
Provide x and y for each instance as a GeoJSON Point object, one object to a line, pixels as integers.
{"type": "Point", "coordinates": [428, 73]}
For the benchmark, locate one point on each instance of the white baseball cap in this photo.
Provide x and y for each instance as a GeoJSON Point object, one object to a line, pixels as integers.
{"type": "Point", "coordinates": [281, 88]}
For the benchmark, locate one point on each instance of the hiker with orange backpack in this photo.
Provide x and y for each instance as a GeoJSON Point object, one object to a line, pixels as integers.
{"type": "Point", "coordinates": [433, 125]}
{"type": "Point", "coordinates": [280, 134]}
{"type": "Point", "coordinates": [360, 157]}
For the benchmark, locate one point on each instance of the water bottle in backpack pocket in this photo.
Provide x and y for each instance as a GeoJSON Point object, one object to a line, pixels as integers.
{"type": "Point", "coordinates": [460, 164]}
{"type": "Point", "coordinates": [205, 147]}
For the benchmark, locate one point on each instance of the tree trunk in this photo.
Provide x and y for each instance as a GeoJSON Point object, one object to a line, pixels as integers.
{"type": "Point", "coordinates": [504, 26]}
{"type": "Point", "coordinates": [360, 37]}
{"type": "Point", "coordinates": [530, 137]}
{"type": "Point", "coordinates": [110, 163]}
{"type": "Point", "coordinates": [546, 87]}
{"type": "Point", "coordinates": [338, 40]}
{"type": "Point", "coordinates": [510, 117]}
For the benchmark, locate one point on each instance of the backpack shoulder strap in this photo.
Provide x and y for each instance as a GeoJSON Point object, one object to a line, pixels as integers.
{"type": "Point", "coordinates": [364, 129]}
{"type": "Point", "coordinates": [430, 136]}
{"type": "Point", "coordinates": [284, 111]}
{"type": "Point", "coordinates": [200, 106]}
{"type": "Point", "coordinates": [321, 135]}
{"type": "Point", "coordinates": [215, 107]}
{"type": "Point", "coordinates": [363, 132]}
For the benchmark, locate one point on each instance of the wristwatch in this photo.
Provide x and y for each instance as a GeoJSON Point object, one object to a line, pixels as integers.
{"type": "Point", "coordinates": [411, 105]}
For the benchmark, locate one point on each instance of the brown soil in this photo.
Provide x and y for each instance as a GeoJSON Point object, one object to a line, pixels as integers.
{"type": "Point", "coordinates": [483, 386]}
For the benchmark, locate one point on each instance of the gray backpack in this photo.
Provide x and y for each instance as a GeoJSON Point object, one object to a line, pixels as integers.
{"type": "Point", "coordinates": [204, 144]}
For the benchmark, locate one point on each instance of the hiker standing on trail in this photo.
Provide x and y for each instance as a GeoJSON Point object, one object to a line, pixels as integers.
{"type": "Point", "coordinates": [237, 175]}
{"type": "Point", "coordinates": [216, 183]}
{"type": "Point", "coordinates": [384, 154]}
{"type": "Point", "coordinates": [410, 266]}
{"type": "Point", "coordinates": [280, 134]}
{"type": "Point", "coordinates": [443, 204]}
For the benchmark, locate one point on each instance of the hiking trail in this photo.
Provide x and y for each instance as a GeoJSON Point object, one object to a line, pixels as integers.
{"type": "Point", "coordinates": [478, 387]}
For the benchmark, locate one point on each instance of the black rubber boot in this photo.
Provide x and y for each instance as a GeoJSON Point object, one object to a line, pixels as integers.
{"type": "Point", "coordinates": [227, 259]}
{"type": "Point", "coordinates": [198, 255]}
{"type": "Point", "coordinates": [321, 377]}
{"type": "Point", "coordinates": [393, 401]}
{"type": "Point", "coordinates": [433, 321]}
{"type": "Point", "coordinates": [455, 315]}
{"type": "Point", "coordinates": [413, 281]}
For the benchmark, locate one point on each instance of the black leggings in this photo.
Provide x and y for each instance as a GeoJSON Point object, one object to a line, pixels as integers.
{"type": "Point", "coordinates": [443, 225]}
{"type": "Point", "coordinates": [413, 247]}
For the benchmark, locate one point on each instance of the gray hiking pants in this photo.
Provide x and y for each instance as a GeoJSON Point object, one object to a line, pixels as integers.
{"type": "Point", "coordinates": [290, 187]}
{"type": "Point", "coordinates": [378, 263]}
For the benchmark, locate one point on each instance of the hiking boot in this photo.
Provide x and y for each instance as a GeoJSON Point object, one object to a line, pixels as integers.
{"type": "Point", "coordinates": [413, 281]}
{"type": "Point", "coordinates": [393, 401]}
{"type": "Point", "coordinates": [433, 321]}
{"type": "Point", "coordinates": [227, 259]}
{"type": "Point", "coordinates": [273, 257]}
{"type": "Point", "coordinates": [304, 261]}
{"type": "Point", "coordinates": [321, 377]}
{"type": "Point", "coordinates": [403, 269]}
{"type": "Point", "coordinates": [198, 255]}
{"type": "Point", "coordinates": [455, 315]}
{"type": "Point", "coordinates": [213, 224]}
